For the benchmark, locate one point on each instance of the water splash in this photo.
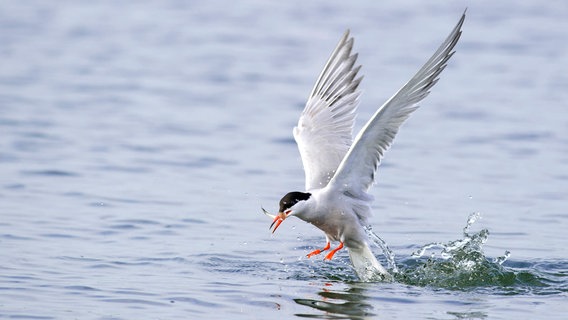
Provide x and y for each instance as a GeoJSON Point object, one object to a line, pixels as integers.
{"type": "Point", "coordinates": [470, 242]}
{"type": "Point", "coordinates": [458, 264]}
{"type": "Point", "coordinates": [388, 253]}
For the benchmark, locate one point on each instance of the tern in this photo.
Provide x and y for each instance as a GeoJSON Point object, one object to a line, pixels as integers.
{"type": "Point", "coordinates": [339, 170]}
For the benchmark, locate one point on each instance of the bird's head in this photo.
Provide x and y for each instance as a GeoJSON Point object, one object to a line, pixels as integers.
{"type": "Point", "coordinates": [291, 204]}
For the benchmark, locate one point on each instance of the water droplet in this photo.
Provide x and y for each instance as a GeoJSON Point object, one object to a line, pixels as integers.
{"type": "Point", "coordinates": [503, 258]}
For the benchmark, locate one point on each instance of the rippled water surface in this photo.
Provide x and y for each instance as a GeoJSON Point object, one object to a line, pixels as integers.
{"type": "Point", "coordinates": [138, 142]}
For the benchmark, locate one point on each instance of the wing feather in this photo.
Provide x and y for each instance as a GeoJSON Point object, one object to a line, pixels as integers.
{"type": "Point", "coordinates": [325, 129]}
{"type": "Point", "coordinates": [356, 173]}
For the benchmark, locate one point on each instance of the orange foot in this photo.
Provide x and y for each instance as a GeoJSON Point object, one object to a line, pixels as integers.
{"type": "Point", "coordinates": [318, 251]}
{"type": "Point", "coordinates": [330, 255]}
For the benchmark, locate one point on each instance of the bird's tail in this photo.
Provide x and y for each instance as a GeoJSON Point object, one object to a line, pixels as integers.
{"type": "Point", "coordinates": [366, 265]}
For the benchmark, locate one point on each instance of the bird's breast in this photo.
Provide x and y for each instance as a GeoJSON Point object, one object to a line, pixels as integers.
{"type": "Point", "coordinates": [334, 223]}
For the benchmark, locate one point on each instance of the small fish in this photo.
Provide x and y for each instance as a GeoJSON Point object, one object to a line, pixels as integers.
{"type": "Point", "coordinates": [268, 213]}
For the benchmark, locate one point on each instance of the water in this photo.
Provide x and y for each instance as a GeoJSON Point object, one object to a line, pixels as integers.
{"type": "Point", "coordinates": [138, 142]}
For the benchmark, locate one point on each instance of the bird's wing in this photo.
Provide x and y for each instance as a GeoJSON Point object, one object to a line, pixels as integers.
{"type": "Point", "coordinates": [325, 128]}
{"type": "Point", "coordinates": [356, 172]}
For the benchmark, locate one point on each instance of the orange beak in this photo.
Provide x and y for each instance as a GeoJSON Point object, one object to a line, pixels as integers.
{"type": "Point", "coordinates": [277, 221]}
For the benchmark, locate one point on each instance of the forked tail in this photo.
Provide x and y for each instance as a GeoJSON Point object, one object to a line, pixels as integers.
{"type": "Point", "coordinates": [366, 265]}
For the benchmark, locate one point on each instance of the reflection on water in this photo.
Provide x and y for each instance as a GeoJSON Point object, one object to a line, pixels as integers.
{"type": "Point", "coordinates": [351, 303]}
{"type": "Point", "coordinates": [468, 315]}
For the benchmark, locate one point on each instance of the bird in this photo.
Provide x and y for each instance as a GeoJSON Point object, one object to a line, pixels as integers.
{"type": "Point", "coordinates": [340, 169]}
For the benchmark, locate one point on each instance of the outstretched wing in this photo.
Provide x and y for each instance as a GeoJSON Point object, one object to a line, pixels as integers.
{"type": "Point", "coordinates": [357, 171]}
{"type": "Point", "coordinates": [325, 129]}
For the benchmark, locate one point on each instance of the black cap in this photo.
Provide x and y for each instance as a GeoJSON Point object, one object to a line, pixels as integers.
{"type": "Point", "coordinates": [292, 198]}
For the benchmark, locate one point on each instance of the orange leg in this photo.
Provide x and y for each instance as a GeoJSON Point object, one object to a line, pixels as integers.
{"type": "Point", "coordinates": [330, 255]}
{"type": "Point", "coordinates": [318, 251]}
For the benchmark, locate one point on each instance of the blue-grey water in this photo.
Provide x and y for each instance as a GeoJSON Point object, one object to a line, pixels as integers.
{"type": "Point", "coordinates": [138, 141]}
